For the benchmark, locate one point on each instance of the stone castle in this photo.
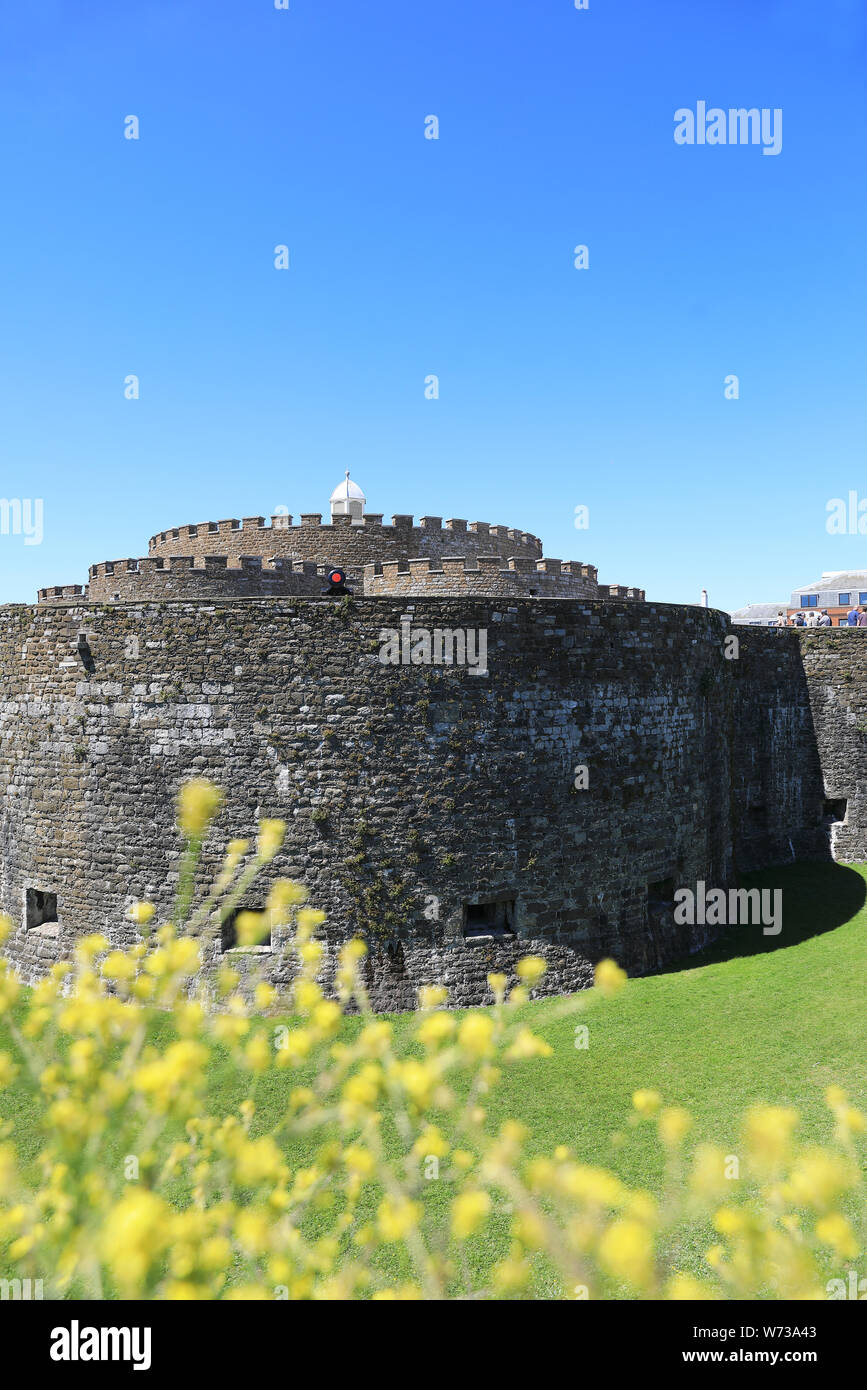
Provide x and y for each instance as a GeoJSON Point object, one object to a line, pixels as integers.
{"type": "Point", "coordinates": [609, 750]}
{"type": "Point", "coordinates": [250, 559]}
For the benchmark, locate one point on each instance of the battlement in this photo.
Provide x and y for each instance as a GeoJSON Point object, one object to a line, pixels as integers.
{"type": "Point", "coordinates": [255, 556]}
{"type": "Point", "coordinates": [621, 591]}
{"type": "Point", "coordinates": [57, 593]}
{"type": "Point", "coordinates": [147, 565]}
{"type": "Point", "coordinates": [485, 575]}
{"type": "Point", "coordinates": [345, 541]}
{"type": "Point", "coordinates": [180, 576]}
{"type": "Point", "coordinates": [370, 522]}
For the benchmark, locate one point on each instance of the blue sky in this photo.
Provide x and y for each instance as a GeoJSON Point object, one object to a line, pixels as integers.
{"type": "Point", "coordinates": [452, 257]}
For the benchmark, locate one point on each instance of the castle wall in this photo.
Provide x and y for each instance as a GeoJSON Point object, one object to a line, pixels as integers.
{"type": "Point", "coordinates": [438, 785]}
{"type": "Point", "coordinates": [342, 543]}
{"type": "Point", "coordinates": [187, 577]}
{"type": "Point", "coordinates": [777, 782]}
{"type": "Point", "coordinates": [835, 672]}
{"type": "Point", "coordinates": [410, 791]}
{"type": "Point", "coordinates": [487, 575]}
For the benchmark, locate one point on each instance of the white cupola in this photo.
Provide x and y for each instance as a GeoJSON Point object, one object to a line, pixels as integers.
{"type": "Point", "coordinates": [347, 499]}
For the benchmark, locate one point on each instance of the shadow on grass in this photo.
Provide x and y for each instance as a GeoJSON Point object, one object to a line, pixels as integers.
{"type": "Point", "coordinates": [817, 898]}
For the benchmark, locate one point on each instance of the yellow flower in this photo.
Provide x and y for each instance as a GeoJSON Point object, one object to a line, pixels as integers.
{"type": "Point", "coordinates": [592, 1185]}
{"type": "Point", "coordinates": [708, 1178]}
{"type": "Point", "coordinates": [673, 1124]}
{"type": "Point", "coordinates": [271, 836]}
{"type": "Point", "coordinates": [198, 803]}
{"type": "Point", "coordinates": [527, 1044]}
{"type": "Point", "coordinates": [136, 1232]}
{"type": "Point", "coordinates": [469, 1210]}
{"type": "Point", "coordinates": [626, 1252]}
{"type": "Point", "coordinates": [184, 956]}
{"type": "Point", "coordinates": [431, 996]}
{"type": "Point", "coordinates": [141, 913]}
{"type": "Point", "coordinates": [257, 1054]}
{"type": "Point", "coordinates": [609, 978]}
{"type": "Point", "coordinates": [259, 1161]}
{"type": "Point", "coordinates": [118, 966]}
{"type": "Point", "coordinates": [89, 946]}
{"type": "Point", "coordinates": [417, 1078]}
{"type": "Point", "coordinates": [431, 1143]}
{"type": "Point", "coordinates": [253, 1230]}
{"type": "Point", "coordinates": [767, 1134]}
{"type": "Point", "coordinates": [646, 1102]}
{"type": "Point", "coordinates": [819, 1177]}
{"type": "Point", "coordinates": [834, 1230]}
{"type": "Point", "coordinates": [251, 928]}
{"type": "Point", "coordinates": [283, 896]}
{"type": "Point", "coordinates": [497, 985]}
{"type": "Point", "coordinates": [374, 1039]}
{"type": "Point", "coordinates": [326, 1016]}
{"type": "Point", "coordinates": [683, 1288]}
{"type": "Point", "coordinates": [359, 1160]}
{"type": "Point", "coordinates": [727, 1221]}
{"type": "Point", "coordinates": [475, 1035]}
{"type": "Point", "coordinates": [265, 996]}
{"type": "Point", "coordinates": [529, 1229]}
{"type": "Point", "coordinates": [352, 951]}
{"type": "Point", "coordinates": [307, 994]}
{"type": "Point", "coordinates": [436, 1028]}
{"type": "Point", "coordinates": [363, 1088]}
{"type": "Point", "coordinates": [227, 979]}
{"type": "Point", "coordinates": [397, 1217]}
{"type": "Point", "coordinates": [308, 919]}
{"type": "Point", "coordinates": [530, 970]}
{"type": "Point", "coordinates": [294, 1048]}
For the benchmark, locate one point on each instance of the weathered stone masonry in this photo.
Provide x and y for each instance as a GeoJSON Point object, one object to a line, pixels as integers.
{"type": "Point", "coordinates": [440, 789]}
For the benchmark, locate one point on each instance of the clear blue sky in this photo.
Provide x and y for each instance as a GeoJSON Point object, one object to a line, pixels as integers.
{"type": "Point", "coordinates": [410, 256]}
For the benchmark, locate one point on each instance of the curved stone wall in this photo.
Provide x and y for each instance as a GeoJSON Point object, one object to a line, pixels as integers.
{"type": "Point", "coordinates": [185, 576]}
{"type": "Point", "coordinates": [488, 575]}
{"type": "Point", "coordinates": [341, 542]}
{"type": "Point", "coordinates": [418, 798]}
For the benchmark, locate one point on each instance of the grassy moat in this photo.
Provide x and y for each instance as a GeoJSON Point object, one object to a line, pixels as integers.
{"type": "Point", "coordinates": [753, 1020]}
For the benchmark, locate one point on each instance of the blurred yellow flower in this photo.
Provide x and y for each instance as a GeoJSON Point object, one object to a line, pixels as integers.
{"type": "Point", "coordinates": [626, 1251]}
{"type": "Point", "coordinates": [646, 1102]}
{"type": "Point", "coordinates": [270, 838]}
{"type": "Point", "coordinates": [530, 970]}
{"type": "Point", "coordinates": [609, 978]}
{"type": "Point", "coordinates": [469, 1210]}
{"type": "Point", "coordinates": [198, 802]}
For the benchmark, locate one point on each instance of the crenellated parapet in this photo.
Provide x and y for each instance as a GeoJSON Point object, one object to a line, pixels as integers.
{"type": "Point", "coordinates": [345, 541]}
{"type": "Point", "coordinates": [621, 591]}
{"type": "Point", "coordinates": [485, 575]}
{"type": "Point", "coordinates": [188, 576]}
{"type": "Point", "coordinates": [59, 593]}
{"type": "Point", "coordinates": [255, 556]}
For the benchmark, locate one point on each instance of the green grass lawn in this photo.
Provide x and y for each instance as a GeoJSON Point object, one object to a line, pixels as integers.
{"type": "Point", "coordinates": [751, 1019]}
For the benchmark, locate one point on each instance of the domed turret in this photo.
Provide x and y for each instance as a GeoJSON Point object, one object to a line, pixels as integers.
{"type": "Point", "coordinates": [347, 499]}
